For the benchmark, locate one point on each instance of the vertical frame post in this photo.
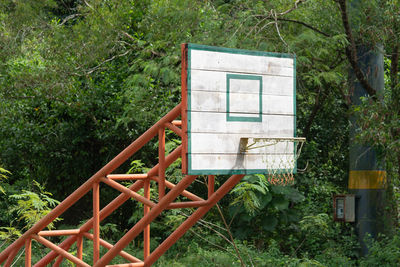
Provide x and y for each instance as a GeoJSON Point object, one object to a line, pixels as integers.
{"type": "Point", "coordinates": [211, 183]}
{"type": "Point", "coordinates": [161, 160]}
{"type": "Point", "coordinates": [79, 247]}
{"type": "Point", "coordinates": [96, 222]}
{"type": "Point", "coordinates": [58, 261]}
{"type": "Point", "coordinates": [184, 105]}
{"type": "Point", "coordinates": [146, 232]}
{"type": "Point", "coordinates": [28, 252]}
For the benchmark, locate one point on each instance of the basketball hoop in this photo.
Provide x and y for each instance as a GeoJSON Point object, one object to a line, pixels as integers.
{"type": "Point", "coordinates": [279, 154]}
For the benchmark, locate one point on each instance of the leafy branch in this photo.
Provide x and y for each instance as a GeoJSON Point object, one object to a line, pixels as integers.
{"type": "Point", "coordinates": [32, 206]}
{"type": "Point", "coordinates": [295, 6]}
{"type": "Point", "coordinates": [351, 50]}
{"type": "Point", "coordinates": [273, 15]}
{"type": "Point", "coordinates": [305, 25]}
{"type": "Point", "coordinates": [3, 176]}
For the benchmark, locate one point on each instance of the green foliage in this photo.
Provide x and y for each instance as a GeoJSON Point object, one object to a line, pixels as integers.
{"type": "Point", "coordinates": [23, 209]}
{"type": "Point", "coordinates": [33, 206]}
{"type": "Point", "coordinates": [246, 193]}
{"type": "Point", "coordinates": [8, 234]}
{"type": "Point", "coordinates": [3, 177]}
{"type": "Point", "coordinates": [201, 255]}
{"type": "Point", "coordinates": [137, 166]}
{"type": "Point", "coordinates": [259, 209]}
{"type": "Point", "coordinates": [317, 223]}
{"type": "Point", "coordinates": [385, 252]}
{"type": "Point", "coordinates": [380, 128]}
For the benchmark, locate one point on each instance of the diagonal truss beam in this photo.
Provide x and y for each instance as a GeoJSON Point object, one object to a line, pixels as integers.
{"type": "Point", "coordinates": [189, 222]}
{"type": "Point", "coordinates": [154, 212]}
{"type": "Point", "coordinates": [87, 186]}
{"type": "Point", "coordinates": [152, 209]}
{"type": "Point", "coordinates": [113, 205]}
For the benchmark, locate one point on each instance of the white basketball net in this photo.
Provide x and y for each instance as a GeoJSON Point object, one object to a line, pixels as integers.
{"type": "Point", "coordinates": [279, 155]}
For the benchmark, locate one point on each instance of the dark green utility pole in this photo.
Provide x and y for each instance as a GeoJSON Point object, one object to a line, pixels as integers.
{"type": "Point", "coordinates": [367, 177]}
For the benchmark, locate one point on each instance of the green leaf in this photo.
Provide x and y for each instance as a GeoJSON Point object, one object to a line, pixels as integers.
{"type": "Point", "coordinates": [293, 215]}
{"type": "Point", "coordinates": [269, 223]}
{"type": "Point", "coordinates": [280, 203]}
{"type": "Point", "coordinates": [265, 199]}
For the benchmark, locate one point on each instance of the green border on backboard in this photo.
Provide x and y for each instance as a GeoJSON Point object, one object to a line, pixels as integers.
{"type": "Point", "coordinates": [229, 115]}
{"type": "Point", "coordinates": [241, 52]}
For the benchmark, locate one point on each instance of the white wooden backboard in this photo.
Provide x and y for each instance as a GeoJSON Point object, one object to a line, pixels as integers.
{"type": "Point", "coordinates": [228, 94]}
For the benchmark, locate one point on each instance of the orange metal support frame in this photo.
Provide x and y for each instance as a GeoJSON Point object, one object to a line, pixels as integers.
{"type": "Point", "coordinates": [151, 209]}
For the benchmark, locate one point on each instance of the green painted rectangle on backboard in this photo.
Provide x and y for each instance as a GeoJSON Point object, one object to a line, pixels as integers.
{"type": "Point", "coordinates": [254, 86]}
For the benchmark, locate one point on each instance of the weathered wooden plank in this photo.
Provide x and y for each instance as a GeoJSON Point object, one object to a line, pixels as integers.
{"type": "Point", "coordinates": [244, 85]}
{"type": "Point", "coordinates": [240, 162]}
{"type": "Point", "coordinates": [241, 102]}
{"type": "Point", "coordinates": [215, 61]}
{"type": "Point", "coordinates": [201, 80]}
{"type": "Point", "coordinates": [229, 144]}
{"type": "Point", "coordinates": [213, 122]}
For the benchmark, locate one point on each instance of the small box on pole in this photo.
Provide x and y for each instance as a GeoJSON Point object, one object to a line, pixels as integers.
{"type": "Point", "coordinates": [344, 208]}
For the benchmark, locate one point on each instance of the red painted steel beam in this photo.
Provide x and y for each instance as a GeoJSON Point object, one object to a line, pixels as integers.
{"type": "Point", "coordinates": [177, 123]}
{"type": "Point", "coordinates": [61, 258]}
{"type": "Point", "coordinates": [187, 204]}
{"type": "Point", "coordinates": [10, 258]}
{"type": "Point", "coordinates": [79, 247]}
{"type": "Point", "coordinates": [113, 205]}
{"type": "Point", "coordinates": [96, 222]}
{"type": "Point", "coordinates": [185, 193]}
{"type": "Point", "coordinates": [28, 252]}
{"type": "Point", "coordinates": [125, 177]}
{"type": "Point", "coordinates": [60, 251]}
{"type": "Point", "coordinates": [200, 212]}
{"type": "Point", "coordinates": [161, 161]}
{"type": "Point", "coordinates": [184, 106]}
{"type": "Point", "coordinates": [87, 186]}
{"type": "Point", "coordinates": [107, 245]}
{"type": "Point", "coordinates": [146, 232]}
{"type": "Point", "coordinates": [59, 261]}
{"type": "Point", "coordinates": [59, 232]}
{"type": "Point", "coordinates": [211, 184]}
{"type": "Point", "coordinates": [139, 226]}
{"type": "Point", "coordinates": [136, 264]}
{"type": "Point", "coordinates": [175, 129]}
{"type": "Point", "coordinates": [127, 191]}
